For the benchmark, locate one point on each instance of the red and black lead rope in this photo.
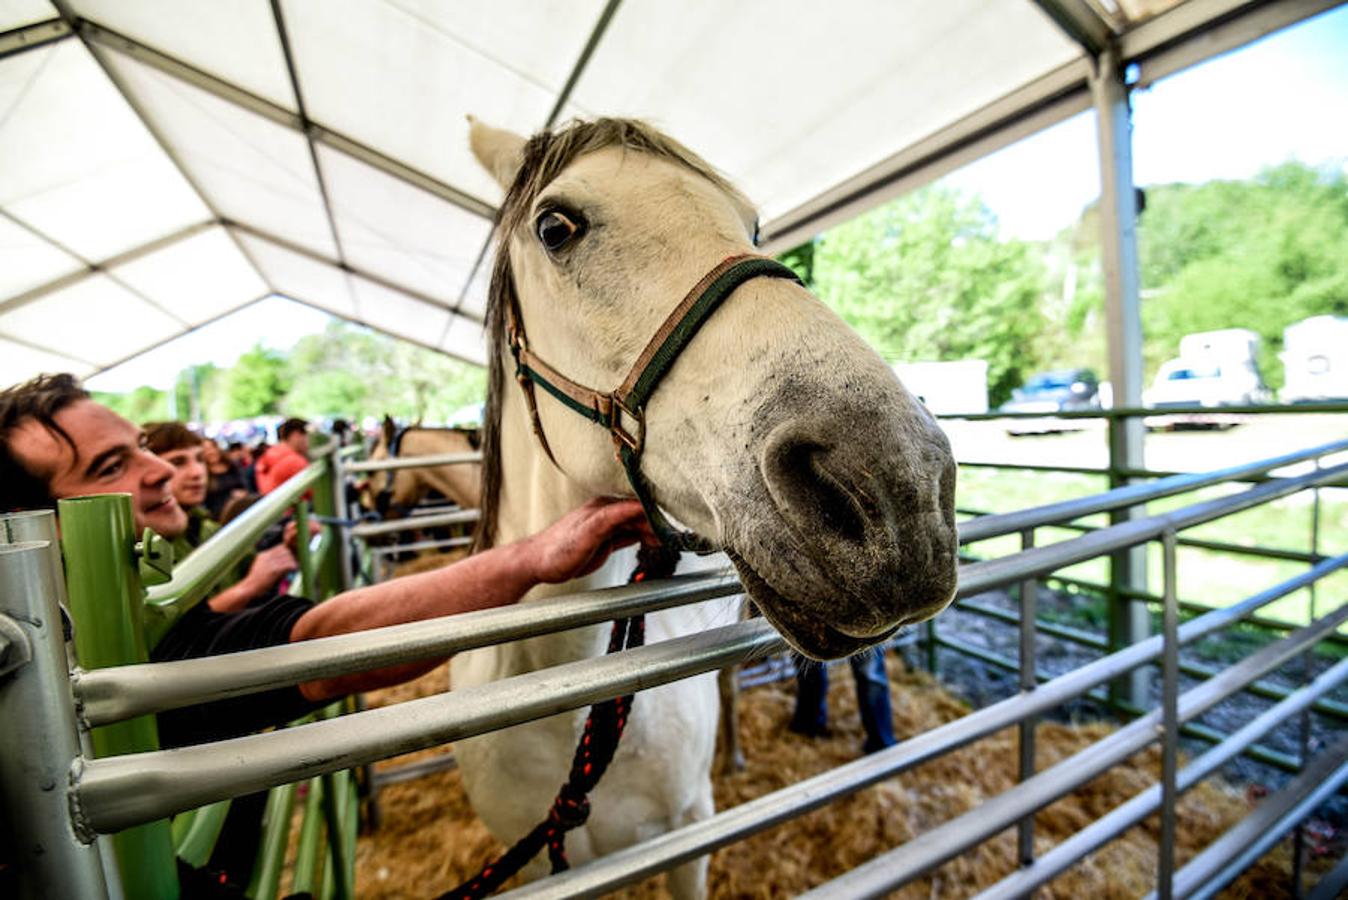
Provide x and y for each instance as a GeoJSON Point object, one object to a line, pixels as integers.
{"type": "Point", "coordinates": [598, 743]}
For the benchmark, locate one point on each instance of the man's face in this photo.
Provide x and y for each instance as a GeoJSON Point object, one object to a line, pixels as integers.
{"type": "Point", "coordinates": [109, 457]}
{"type": "Point", "coordinates": [189, 475]}
{"type": "Point", "coordinates": [299, 441]}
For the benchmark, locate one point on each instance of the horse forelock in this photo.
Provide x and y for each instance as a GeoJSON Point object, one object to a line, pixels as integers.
{"type": "Point", "coordinates": [544, 157]}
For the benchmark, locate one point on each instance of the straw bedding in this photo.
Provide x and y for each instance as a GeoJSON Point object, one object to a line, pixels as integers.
{"type": "Point", "coordinates": [430, 840]}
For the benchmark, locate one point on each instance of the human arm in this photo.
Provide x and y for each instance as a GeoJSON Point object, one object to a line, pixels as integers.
{"type": "Point", "coordinates": [573, 546]}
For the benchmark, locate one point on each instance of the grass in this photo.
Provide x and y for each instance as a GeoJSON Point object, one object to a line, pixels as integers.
{"type": "Point", "coordinates": [1209, 577]}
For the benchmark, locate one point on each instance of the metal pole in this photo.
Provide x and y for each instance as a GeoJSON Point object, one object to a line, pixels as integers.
{"type": "Point", "coordinates": [107, 603]}
{"type": "Point", "coordinates": [1307, 673]}
{"type": "Point", "coordinates": [1170, 722]}
{"type": "Point", "coordinates": [303, 552]}
{"type": "Point", "coordinates": [1118, 243]}
{"type": "Point", "coordinates": [341, 568]}
{"type": "Point", "coordinates": [328, 494]}
{"type": "Point", "coordinates": [39, 741]}
{"type": "Point", "coordinates": [1029, 591]}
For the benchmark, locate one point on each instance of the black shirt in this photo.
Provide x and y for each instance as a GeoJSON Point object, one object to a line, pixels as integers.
{"type": "Point", "coordinates": [265, 622]}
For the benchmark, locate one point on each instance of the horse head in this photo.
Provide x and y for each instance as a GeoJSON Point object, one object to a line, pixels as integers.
{"type": "Point", "coordinates": [385, 491]}
{"type": "Point", "coordinates": [777, 435]}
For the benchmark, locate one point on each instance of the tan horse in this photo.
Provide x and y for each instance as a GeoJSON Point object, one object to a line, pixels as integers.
{"type": "Point", "coordinates": [778, 435]}
{"type": "Point", "coordinates": [389, 491]}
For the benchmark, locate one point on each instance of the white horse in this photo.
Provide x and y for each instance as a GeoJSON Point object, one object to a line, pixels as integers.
{"type": "Point", "coordinates": [778, 436]}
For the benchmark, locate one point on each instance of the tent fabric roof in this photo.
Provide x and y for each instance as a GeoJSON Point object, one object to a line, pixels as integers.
{"type": "Point", "coordinates": [167, 162]}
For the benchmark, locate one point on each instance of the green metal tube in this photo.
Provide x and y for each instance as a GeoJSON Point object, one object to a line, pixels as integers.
{"type": "Point", "coordinates": [302, 554]}
{"type": "Point", "coordinates": [351, 829]}
{"type": "Point", "coordinates": [105, 591]}
{"type": "Point", "coordinates": [335, 787]}
{"type": "Point", "coordinates": [106, 598]}
{"type": "Point", "coordinates": [307, 873]}
{"type": "Point", "coordinates": [196, 841]}
{"type": "Point", "coordinates": [328, 502]}
{"type": "Point", "coordinates": [271, 852]}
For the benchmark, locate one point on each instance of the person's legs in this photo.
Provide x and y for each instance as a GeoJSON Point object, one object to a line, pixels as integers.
{"type": "Point", "coordinates": [811, 715]}
{"type": "Point", "coordinates": [877, 717]}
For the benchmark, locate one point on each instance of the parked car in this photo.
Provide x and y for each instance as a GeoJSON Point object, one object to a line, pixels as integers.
{"type": "Point", "coordinates": [1206, 382]}
{"type": "Point", "coordinates": [1060, 391]}
{"type": "Point", "coordinates": [1064, 390]}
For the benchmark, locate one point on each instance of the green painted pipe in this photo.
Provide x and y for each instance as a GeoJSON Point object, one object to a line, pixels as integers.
{"type": "Point", "coordinates": [271, 852]}
{"type": "Point", "coordinates": [302, 554]}
{"type": "Point", "coordinates": [98, 539]}
{"type": "Point", "coordinates": [197, 841]}
{"type": "Point", "coordinates": [327, 502]}
{"type": "Point", "coordinates": [307, 872]}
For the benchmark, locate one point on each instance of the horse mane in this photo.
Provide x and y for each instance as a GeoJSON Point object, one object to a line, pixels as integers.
{"type": "Point", "coordinates": [544, 156]}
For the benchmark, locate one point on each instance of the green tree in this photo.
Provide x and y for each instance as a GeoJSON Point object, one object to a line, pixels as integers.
{"type": "Point", "coordinates": [351, 371]}
{"type": "Point", "coordinates": [1258, 254]}
{"type": "Point", "coordinates": [255, 385]}
{"type": "Point", "coordinates": [924, 278]}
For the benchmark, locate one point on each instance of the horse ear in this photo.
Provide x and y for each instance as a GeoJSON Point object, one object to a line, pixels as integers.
{"type": "Point", "coordinates": [389, 427]}
{"type": "Point", "coordinates": [499, 151]}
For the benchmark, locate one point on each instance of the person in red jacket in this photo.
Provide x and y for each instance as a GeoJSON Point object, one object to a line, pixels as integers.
{"type": "Point", "coordinates": [286, 458]}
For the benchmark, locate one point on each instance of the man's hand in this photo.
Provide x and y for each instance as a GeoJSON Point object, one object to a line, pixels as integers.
{"type": "Point", "coordinates": [269, 567]}
{"type": "Point", "coordinates": [580, 542]}
{"type": "Point", "coordinates": [292, 530]}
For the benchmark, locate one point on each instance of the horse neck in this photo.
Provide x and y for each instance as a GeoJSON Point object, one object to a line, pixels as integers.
{"type": "Point", "coordinates": [460, 482]}
{"type": "Point", "coordinates": [534, 494]}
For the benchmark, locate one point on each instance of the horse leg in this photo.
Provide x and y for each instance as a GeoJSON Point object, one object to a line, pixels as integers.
{"type": "Point", "coordinates": [729, 757]}
{"type": "Point", "coordinates": [689, 881]}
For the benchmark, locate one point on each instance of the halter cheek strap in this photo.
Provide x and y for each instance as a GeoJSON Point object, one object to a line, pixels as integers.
{"type": "Point", "coordinates": [623, 411]}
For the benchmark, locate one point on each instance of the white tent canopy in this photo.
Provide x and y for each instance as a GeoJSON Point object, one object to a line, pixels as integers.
{"type": "Point", "coordinates": [164, 163]}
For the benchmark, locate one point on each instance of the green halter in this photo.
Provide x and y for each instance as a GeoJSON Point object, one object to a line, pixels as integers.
{"type": "Point", "coordinates": [623, 412]}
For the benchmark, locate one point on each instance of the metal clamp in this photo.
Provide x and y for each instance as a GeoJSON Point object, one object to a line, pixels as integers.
{"type": "Point", "coordinates": [154, 556]}
{"type": "Point", "coordinates": [16, 651]}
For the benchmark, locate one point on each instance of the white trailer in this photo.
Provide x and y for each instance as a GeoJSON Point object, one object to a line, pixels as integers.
{"type": "Point", "coordinates": [1315, 359]}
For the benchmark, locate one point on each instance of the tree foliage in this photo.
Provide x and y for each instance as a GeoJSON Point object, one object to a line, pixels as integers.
{"type": "Point", "coordinates": [345, 371]}
{"type": "Point", "coordinates": [925, 278]}
{"type": "Point", "coordinates": [1258, 254]}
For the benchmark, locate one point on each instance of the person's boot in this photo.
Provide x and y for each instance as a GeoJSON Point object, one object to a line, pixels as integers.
{"type": "Point", "coordinates": [811, 714]}
{"type": "Point", "coordinates": [877, 716]}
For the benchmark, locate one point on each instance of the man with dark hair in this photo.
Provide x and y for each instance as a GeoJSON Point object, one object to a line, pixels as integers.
{"type": "Point", "coordinates": [286, 459]}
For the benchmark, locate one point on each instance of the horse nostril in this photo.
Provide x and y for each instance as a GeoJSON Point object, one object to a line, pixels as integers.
{"type": "Point", "coordinates": [808, 493]}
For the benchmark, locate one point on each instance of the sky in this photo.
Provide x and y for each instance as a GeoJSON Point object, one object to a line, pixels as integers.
{"type": "Point", "coordinates": [1283, 97]}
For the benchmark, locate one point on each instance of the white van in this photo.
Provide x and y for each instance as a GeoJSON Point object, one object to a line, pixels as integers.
{"type": "Point", "coordinates": [1214, 368]}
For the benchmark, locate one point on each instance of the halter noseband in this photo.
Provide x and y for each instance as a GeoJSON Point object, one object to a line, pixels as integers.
{"type": "Point", "coordinates": [623, 411]}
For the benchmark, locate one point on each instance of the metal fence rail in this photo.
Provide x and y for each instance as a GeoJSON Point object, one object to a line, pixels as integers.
{"type": "Point", "coordinates": [113, 694]}
{"type": "Point", "coordinates": [892, 870]}
{"type": "Point", "coordinates": [664, 852]}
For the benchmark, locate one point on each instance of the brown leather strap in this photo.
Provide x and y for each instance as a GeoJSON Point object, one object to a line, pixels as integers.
{"type": "Point", "coordinates": [673, 319]}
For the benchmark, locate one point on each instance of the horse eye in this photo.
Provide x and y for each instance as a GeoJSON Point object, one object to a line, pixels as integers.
{"type": "Point", "coordinates": [555, 229]}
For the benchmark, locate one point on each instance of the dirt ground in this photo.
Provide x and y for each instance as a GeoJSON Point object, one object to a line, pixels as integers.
{"type": "Point", "coordinates": [429, 839]}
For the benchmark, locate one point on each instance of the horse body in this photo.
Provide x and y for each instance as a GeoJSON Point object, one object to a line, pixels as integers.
{"type": "Point", "coordinates": [404, 488]}
{"type": "Point", "coordinates": [778, 436]}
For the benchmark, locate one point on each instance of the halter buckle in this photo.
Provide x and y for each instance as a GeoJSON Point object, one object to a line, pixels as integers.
{"type": "Point", "coordinates": [621, 437]}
